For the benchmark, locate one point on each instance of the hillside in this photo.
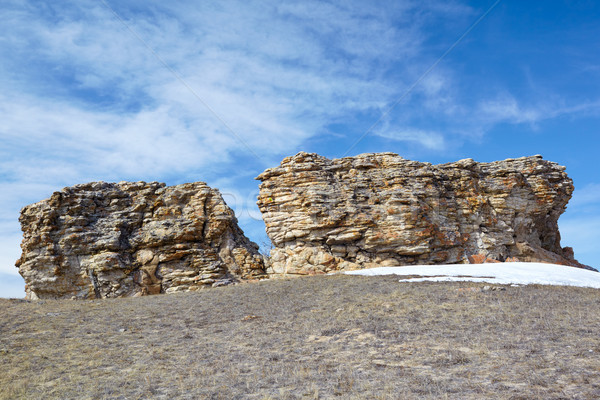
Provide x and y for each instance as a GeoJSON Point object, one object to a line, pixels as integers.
{"type": "Point", "coordinates": [343, 337]}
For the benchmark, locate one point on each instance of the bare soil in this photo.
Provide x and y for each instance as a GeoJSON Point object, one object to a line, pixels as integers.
{"type": "Point", "coordinates": [327, 337]}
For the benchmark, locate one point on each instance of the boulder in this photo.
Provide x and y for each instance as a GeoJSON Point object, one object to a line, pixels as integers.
{"type": "Point", "coordinates": [99, 240]}
{"type": "Point", "coordinates": [380, 209]}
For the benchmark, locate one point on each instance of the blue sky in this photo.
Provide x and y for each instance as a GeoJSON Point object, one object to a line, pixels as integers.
{"type": "Point", "coordinates": [219, 91]}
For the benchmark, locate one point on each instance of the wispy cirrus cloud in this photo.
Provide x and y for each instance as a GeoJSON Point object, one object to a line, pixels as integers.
{"type": "Point", "coordinates": [508, 109]}
{"type": "Point", "coordinates": [429, 139]}
{"type": "Point", "coordinates": [274, 73]}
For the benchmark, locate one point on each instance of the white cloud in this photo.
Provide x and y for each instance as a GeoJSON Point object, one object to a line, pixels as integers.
{"type": "Point", "coordinates": [272, 74]}
{"type": "Point", "coordinates": [54, 141]}
{"type": "Point", "coordinates": [85, 99]}
{"type": "Point", "coordinates": [507, 109]}
{"type": "Point", "coordinates": [428, 139]}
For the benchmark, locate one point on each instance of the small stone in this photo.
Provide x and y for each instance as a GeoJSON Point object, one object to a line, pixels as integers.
{"type": "Point", "coordinates": [477, 259]}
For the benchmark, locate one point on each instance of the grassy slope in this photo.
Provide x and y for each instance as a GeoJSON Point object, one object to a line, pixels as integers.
{"type": "Point", "coordinates": [311, 338]}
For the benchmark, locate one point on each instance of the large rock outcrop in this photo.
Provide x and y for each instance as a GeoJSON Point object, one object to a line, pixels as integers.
{"type": "Point", "coordinates": [100, 240]}
{"type": "Point", "coordinates": [372, 210]}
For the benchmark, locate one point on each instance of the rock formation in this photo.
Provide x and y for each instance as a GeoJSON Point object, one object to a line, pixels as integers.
{"type": "Point", "coordinates": [381, 210]}
{"type": "Point", "coordinates": [100, 240]}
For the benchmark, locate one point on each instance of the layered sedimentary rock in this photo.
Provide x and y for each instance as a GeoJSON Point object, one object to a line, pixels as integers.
{"type": "Point", "coordinates": [372, 210]}
{"type": "Point", "coordinates": [100, 240]}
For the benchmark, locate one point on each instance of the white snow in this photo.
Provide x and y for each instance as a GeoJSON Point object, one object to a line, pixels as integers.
{"type": "Point", "coordinates": [522, 273]}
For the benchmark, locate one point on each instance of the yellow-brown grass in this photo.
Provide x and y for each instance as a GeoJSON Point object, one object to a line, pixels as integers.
{"type": "Point", "coordinates": [342, 337]}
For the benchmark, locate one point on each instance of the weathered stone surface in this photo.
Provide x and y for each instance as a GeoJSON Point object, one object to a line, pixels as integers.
{"type": "Point", "coordinates": [100, 240]}
{"type": "Point", "coordinates": [382, 210]}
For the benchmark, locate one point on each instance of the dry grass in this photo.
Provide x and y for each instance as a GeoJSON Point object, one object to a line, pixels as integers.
{"type": "Point", "coordinates": [338, 337]}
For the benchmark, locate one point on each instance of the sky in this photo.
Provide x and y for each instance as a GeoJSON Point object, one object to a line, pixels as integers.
{"type": "Point", "coordinates": [218, 91]}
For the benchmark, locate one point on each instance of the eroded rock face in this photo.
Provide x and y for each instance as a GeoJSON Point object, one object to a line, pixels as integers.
{"type": "Point", "coordinates": [100, 240]}
{"type": "Point", "coordinates": [381, 210]}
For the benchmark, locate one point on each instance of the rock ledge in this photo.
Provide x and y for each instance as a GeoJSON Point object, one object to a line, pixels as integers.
{"type": "Point", "coordinates": [373, 210]}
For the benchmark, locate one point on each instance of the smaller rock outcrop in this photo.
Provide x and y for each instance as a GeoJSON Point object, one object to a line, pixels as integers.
{"type": "Point", "coordinates": [100, 240]}
{"type": "Point", "coordinates": [374, 210]}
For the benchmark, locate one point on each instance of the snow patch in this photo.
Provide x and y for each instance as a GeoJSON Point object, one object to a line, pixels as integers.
{"type": "Point", "coordinates": [521, 273]}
